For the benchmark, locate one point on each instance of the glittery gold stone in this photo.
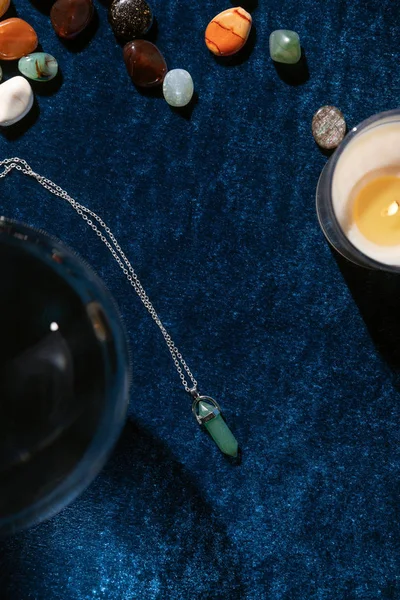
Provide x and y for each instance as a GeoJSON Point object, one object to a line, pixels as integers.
{"type": "Point", "coordinates": [130, 19]}
{"type": "Point", "coordinates": [328, 127]}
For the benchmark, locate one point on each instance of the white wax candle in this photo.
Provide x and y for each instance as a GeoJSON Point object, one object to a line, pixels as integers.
{"type": "Point", "coordinates": [373, 152]}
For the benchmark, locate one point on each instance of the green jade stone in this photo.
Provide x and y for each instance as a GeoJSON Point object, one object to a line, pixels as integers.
{"type": "Point", "coordinates": [284, 46]}
{"type": "Point", "coordinates": [38, 66]}
{"type": "Point", "coordinates": [219, 430]}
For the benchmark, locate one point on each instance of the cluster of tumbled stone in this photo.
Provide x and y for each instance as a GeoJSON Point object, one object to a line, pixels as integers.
{"type": "Point", "coordinates": [18, 40]}
{"type": "Point", "coordinates": [228, 32]}
{"type": "Point", "coordinates": [225, 35]}
{"type": "Point", "coordinates": [130, 20]}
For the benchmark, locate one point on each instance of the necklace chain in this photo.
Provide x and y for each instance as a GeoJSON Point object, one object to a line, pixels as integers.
{"type": "Point", "coordinates": [107, 237]}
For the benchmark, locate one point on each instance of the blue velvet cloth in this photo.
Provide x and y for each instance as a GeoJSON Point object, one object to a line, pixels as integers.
{"type": "Point", "coordinates": [214, 205]}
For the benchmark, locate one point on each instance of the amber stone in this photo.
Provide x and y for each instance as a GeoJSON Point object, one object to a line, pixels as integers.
{"type": "Point", "coordinates": [17, 38]}
{"type": "Point", "coordinates": [70, 17]}
{"type": "Point", "coordinates": [130, 18]}
{"type": "Point", "coordinates": [144, 63]}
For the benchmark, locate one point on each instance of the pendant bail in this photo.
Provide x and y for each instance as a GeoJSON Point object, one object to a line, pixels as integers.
{"type": "Point", "coordinates": [205, 415]}
{"type": "Point", "coordinates": [194, 392]}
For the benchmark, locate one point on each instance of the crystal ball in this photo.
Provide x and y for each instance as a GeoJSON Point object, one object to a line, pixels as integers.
{"type": "Point", "coordinates": [64, 375]}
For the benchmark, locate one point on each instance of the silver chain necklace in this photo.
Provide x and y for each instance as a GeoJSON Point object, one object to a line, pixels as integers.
{"type": "Point", "coordinates": [205, 409]}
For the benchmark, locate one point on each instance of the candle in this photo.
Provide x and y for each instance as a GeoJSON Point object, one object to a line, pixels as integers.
{"type": "Point", "coordinates": [376, 210]}
{"type": "Point", "coordinates": [358, 195]}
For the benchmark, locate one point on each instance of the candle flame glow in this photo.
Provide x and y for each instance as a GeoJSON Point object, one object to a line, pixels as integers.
{"type": "Point", "coordinates": [391, 210]}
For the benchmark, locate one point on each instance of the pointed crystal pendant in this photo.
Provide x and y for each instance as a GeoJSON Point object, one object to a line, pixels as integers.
{"type": "Point", "coordinates": [210, 416]}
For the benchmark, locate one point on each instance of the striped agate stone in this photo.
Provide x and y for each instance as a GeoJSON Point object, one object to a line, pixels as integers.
{"type": "Point", "coordinates": [227, 33]}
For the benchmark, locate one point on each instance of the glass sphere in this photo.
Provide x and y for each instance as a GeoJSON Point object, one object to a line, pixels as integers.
{"type": "Point", "coordinates": [64, 375]}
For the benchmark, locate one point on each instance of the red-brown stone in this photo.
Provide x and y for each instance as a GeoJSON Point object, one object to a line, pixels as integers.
{"type": "Point", "coordinates": [70, 17]}
{"type": "Point", "coordinates": [145, 63]}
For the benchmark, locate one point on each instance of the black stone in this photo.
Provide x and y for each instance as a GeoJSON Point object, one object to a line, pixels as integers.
{"type": "Point", "coordinates": [130, 19]}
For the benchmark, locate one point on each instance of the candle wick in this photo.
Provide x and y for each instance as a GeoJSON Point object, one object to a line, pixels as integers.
{"type": "Point", "coordinates": [391, 210]}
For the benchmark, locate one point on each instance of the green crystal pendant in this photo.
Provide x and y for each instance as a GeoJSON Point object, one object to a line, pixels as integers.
{"type": "Point", "coordinates": [208, 414]}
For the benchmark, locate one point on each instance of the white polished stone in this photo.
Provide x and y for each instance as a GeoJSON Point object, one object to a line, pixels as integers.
{"type": "Point", "coordinates": [178, 87]}
{"type": "Point", "coordinates": [16, 100]}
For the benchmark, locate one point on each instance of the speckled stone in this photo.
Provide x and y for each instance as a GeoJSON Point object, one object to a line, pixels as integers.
{"type": "Point", "coordinates": [38, 66]}
{"type": "Point", "coordinates": [70, 17]}
{"type": "Point", "coordinates": [130, 18]}
{"type": "Point", "coordinates": [17, 38]}
{"type": "Point", "coordinates": [144, 63]}
{"type": "Point", "coordinates": [328, 127]}
{"type": "Point", "coordinates": [284, 46]}
{"type": "Point", "coordinates": [178, 87]}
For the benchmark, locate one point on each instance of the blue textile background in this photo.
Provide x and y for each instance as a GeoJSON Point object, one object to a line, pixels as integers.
{"type": "Point", "coordinates": [215, 207]}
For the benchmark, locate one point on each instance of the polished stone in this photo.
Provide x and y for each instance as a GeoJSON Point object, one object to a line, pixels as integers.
{"type": "Point", "coordinates": [328, 127]}
{"type": "Point", "coordinates": [17, 38]}
{"type": "Point", "coordinates": [227, 33]}
{"type": "Point", "coordinates": [38, 66]}
{"type": "Point", "coordinates": [178, 87]}
{"type": "Point", "coordinates": [70, 17]}
{"type": "Point", "coordinates": [145, 63]}
{"type": "Point", "coordinates": [16, 100]}
{"type": "Point", "coordinates": [130, 19]}
{"type": "Point", "coordinates": [4, 6]}
{"type": "Point", "coordinates": [284, 46]}
{"type": "Point", "coordinates": [219, 430]}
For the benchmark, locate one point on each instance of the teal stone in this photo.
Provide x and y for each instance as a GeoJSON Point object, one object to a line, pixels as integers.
{"type": "Point", "coordinates": [219, 430]}
{"type": "Point", "coordinates": [284, 46]}
{"type": "Point", "coordinates": [38, 66]}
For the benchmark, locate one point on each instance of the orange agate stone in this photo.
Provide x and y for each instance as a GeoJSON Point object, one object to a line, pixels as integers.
{"type": "Point", "coordinates": [4, 6]}
{"type": "Point", "coordinates": [17, 38]}
{"type": "Point", "coordinates": [227, 33]}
